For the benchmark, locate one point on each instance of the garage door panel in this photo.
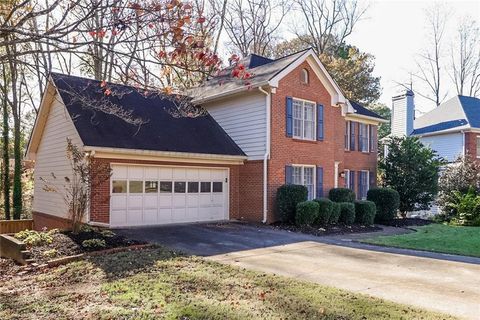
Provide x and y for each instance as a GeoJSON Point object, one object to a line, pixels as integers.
{"type": "Point", "coordinates": [162, 195]}
{"type": "Point", "coordinates": [135, 201]}
{"type": "Point", "coordinates": [119, 202]}
{"type": "Point", "coordinates": [150, 215]}
{"type": "Point", "coordinates": [150, 201]}
{"type": "Point", "coordinates": [165, 201]}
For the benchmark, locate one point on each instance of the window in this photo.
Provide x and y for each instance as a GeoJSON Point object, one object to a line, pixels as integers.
{"type": "Point", "coordinates": [303, 119]}
{"type": "Point", "coordinates": [350, 179]}
{"type": "Point", "coordinates": [304, 76]}
{"type": "Point", "coordinates": [478, 147]}
{"type": "Point", "coordinates": [135, 186]}
{"type": "Point", "coordinates": [305, 176]}
{"type": "Point", "coordinates": [193, 187]}
{"type": "Point", "coordinates": [363, 137]}
{"type": "Point", "coordinates": [205, 187]}
{"type": "Point", "coordinates": [165, 187]}
{"type": "Point", "coordinates": [217, 186]}
{"type": "Point", "coordinates": [151, 186]}
{"type": "Point", "coordinates": [119, 186]}
{"type": "Point", "coordinates": [179, 186]}
{"type": "Point", "coordinates": [363, 185]}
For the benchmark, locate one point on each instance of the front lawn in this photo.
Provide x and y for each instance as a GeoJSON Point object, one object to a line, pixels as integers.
{"type": "Point", "coordinates": [158, 284]}
{"type": "Point", "coordinates": [436, 238]}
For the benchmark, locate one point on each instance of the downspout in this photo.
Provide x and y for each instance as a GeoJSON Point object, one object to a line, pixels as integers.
{"type": "Point", "coordinates": [266, 156]}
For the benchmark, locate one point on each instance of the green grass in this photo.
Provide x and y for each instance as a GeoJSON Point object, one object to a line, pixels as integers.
{"type": "Point", "coordinates": [436, 238]}
{"type": "Point", "coordinates": [158, 284]}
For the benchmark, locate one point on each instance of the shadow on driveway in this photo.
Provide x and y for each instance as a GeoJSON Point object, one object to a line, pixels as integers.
{"type": "Point", "coordinates": [215, 238]}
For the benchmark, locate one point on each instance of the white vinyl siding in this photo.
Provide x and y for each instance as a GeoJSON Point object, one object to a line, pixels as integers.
{"type": "Point", "coordinates": [244, 120]}
{"type": "Point", "coordinates": [51, 158]}
{"type": "Point", "coordinates": [449, 146]}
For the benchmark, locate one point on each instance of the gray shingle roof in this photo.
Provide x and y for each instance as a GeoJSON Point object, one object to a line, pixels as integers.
{"type": "Point", "coordinates": [361, 110]}
{"type": "Point", "coordinates": [262, 69]}
{"type": "Point", "coordinates": [459, 113]}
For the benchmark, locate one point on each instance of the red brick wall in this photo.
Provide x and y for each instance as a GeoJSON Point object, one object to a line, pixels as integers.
{"type": "Point", "coordinates": [100, 199]}
{"type": "Point", "coordinates": [471, 144]}
{"type": "Point", "coordinates": [251, 191]}
{"type": "Point", "coordinates": [42, 220]}
{"type": "Point", "coordinates": [287, 151]}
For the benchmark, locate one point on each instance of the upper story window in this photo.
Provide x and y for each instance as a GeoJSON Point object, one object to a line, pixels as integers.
{"type": "Point", "coordinates": [363, 137]}
{"type": "Point", "coordinates": [304, 76]}
{"type": "Point", "coordinates": [303, 119]}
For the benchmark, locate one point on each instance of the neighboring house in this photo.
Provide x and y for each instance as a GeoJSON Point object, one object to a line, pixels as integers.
{"type": "Point", "coordinates": [291, 124]}
{"type": "Point", "coordinates": [452, 129]}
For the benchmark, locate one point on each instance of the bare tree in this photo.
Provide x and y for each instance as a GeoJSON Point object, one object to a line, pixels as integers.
{"type": "Point", "coordinates": [327, 23]}
{"type": "Point", "coordinates": [430, 61]}
{"type": "Point", "coordinates": [251, 25]}
{"type": "Point", "coordinates": [465, 59]}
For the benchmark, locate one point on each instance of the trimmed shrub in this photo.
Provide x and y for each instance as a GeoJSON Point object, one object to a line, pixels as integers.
{"type": "Point", "coordinates": [324, 211]}
{"type": "Point", "coordinates": [341, 195]}
{"type": "Point", "coordinates": [307, 213]}
{"type": "Point", "coordinates": [288, 196]}
{"type": "Point", "coordinates": [335, 214]}
{"type": "Point", "coordinates": [365, 212]}
{"type": "Point", "coordinates": [347, 213]}
{"type": "Point", "coordinates": [386, 201]}
{"type": "Point", "coordinates": [94, 244]}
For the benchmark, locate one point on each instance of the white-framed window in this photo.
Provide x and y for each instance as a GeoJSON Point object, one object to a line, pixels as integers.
{"type": "Point", "coordinates": [304, 120]}
{"type": "Point", "coordinates": [304, 77]}
{"type": "Point", "coordinates": [478, 146]}
{"type": "Point", "coordinates": [305, 175]}
{"type": "Point", "coordinates": [363, 137]}
{"type": "Point", "coordinates": [349, 179]}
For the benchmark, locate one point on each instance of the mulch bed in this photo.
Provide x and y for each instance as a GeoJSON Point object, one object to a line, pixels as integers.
{"type": "Point", "coordinates": [407, 222]}
{"type": "Point", "coordinates": [66, 244]}
{"type": "Point", "coordinates": [328, 230]}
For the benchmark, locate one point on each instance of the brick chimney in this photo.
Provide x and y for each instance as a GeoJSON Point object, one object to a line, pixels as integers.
{"type": "Point", "coordinates": [403, 113]}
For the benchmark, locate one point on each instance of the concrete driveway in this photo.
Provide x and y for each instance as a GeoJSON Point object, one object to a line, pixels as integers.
{"type": "Point", "coordinates": [436, 284]}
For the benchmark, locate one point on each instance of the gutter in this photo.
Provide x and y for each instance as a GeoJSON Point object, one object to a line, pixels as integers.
{"type": "Point", "coordinates": [228, 92]}
{"type": "Point", "coordinates": [267, 154]}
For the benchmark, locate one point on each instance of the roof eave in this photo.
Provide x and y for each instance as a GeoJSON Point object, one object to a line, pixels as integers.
{"type": "Point", "coordinates": [184, 157]}
{"type": "Point", "coordinates": [361, 116]}
{"type": "Point", "coordinates": [228, 93]}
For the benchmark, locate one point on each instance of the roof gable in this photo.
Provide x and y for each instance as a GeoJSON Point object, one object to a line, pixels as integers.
{"type": "Point", "coordinates": [158, 130]}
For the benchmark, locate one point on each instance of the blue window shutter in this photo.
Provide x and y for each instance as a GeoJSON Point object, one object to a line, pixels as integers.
{"type": "Point", "coordinates": [352, 181]}
{"type": "Point", "coordinates": [319, 182]}
{"type": "Point", "coordinates": [352, 135]}
{"type": "Point", "coordinates": [373, 179]}
{"type": "Point", "coordinates": [360, 185]}
{"type": "Point", "coordinates": [289, 113]}
{"type": "Point", "coordinates": [320, 131]}
{"type": "Point", "coordinates": [360, 136]}
{"type": "Point", "coordinates": [372, 138]}
{"type": "Point", "coordinates": [288, 174]}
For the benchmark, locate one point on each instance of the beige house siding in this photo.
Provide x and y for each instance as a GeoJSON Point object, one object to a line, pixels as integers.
{"type": "Point", "coordinates": [51, 158]}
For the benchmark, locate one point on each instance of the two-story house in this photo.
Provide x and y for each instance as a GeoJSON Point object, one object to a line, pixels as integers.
{"type": "Point", "coordinates": [290, 124]}
{"type": "Point", "coordinates": [452, 129]}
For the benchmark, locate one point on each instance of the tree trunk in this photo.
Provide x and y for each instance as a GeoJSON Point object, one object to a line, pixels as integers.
{"type": "Point", "coordinates": [6, 162]}
{"type": "Point", "coordinates": [17, 172]}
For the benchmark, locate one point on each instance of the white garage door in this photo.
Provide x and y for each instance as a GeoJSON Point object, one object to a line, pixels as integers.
{"type": "Point", "coordinates": [150, 195]}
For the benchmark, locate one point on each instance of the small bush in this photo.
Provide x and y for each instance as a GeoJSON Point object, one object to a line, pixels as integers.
{"type": "Point", "coordinates": [94, 243]}
{"type": "Point", "coordinates": [347, 213]}
{"type": "Point", "coordinates": [467, 208]}
{"type": "Point", "coordinates": [86, 228]}
{"type": "Point", "coordinates": [36, 238]}
{"type": "Point", "coordinates": [307, 213]}
{"type": "Point", "coordinates": [288, 196]}
{"type": "Point", "coordinates": [365, 212]}
{"type": "Point", "coordinates": [341, 195]}
{"type": "Point", "coordinates": [335, 214]}
{"type": "Point", "coordinates": [50, 253]}
{"type": "Point", "coordinates": [324, 211]}
{"type": "Point", "coordinates": [386, 201]}
{"type": "Point", "coordinates": [106, 233]}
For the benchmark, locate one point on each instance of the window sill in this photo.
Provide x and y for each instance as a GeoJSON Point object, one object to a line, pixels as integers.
{"type": "Point", "coordinates": [306, 141]}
